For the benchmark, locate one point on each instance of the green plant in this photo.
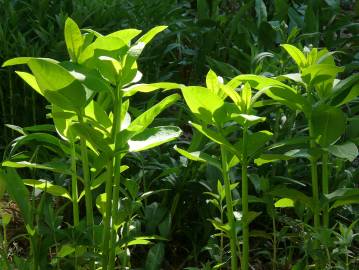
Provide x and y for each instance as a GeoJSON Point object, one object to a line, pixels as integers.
{"type": "Point", "coordinates": [89, 104]}
{"type": "Point", "coordinates": [208, 105]}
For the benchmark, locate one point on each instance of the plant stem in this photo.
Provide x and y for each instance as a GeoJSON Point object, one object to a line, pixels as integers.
{"type": "Point", "coordinates": [117, 174]}
{"type": "Point", "coordinates": [86, 174]}
{"type": "Point", "coordinates": [74, 188]}
{"type": "Point", "coordinates": [245, 254]}
{"type": "Point", "coordinates": [325, 187]}
{"type": "Point", "coordinates": [106, 223]}
{"type": "Point", "coordinates": [274, 259]}
{"type": "Point", "coordinates": [230, 215]}
{"type": "Point", "coordinates": [314, 175]}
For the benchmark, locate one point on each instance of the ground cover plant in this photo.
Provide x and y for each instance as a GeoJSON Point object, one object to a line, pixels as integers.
{"type": "Point", "coordinates": [175, 155]}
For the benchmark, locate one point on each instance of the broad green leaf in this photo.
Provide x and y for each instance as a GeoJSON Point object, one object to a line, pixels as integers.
{"type": "Point", "coordinates": [275, 90]}
{"type": "Point", "coordinates": [58, 85]}
{"type": "Point", "coordinates": [321, 76]}
{"type": "Point", "coordinates": [343, 196]}
{"type": "Point", "coordinates": [97, 139]}
{"type": "Point", "coordinates": [146, 38]}
{"type": "Point", "coordinates": [101, 203]}
{"type": "Point", "coordinates": [345, 201]}
{"type": "Point", "coordinates": [48, 187]}
{"type": "Point", "coordinates": [247, 120]}
{"type": "Point", "coordinates": [91, 79]}
{"type": "Point", "coordinates": [233, 94]}
{"type": "Point", "coordinates": [63, 121]}
{"type": "Point", "coordinates": [66, 250]}
{"type": "Point", "coordinates": [145, 119]}
{"type": "Point", "coordinates": [296, 77]}
{"type": "Point", "coordinates": [30, 80]}
{"type": "Point", "coordinates": [214, 84]}
{"type": "Point", "coordinates": [284, 203]}
{"type": "Point", "coordinates": [126, 35]}
{"type": "Point", "coordinates": [216, 137]}
{"type": "Point", "coordinates": [73, 39]}
{"type": "Point", "coordinates": [140, 240]}
{"type": "Point", "coordinates": [129, 63]}
{"type": "Point", "coordinates": [109, 68]}
{"type": "Point", "coordinates": [199, 156]}
{"type": "Point", "coordinates": [328, 124]}
{"type": "Point", "coordinates": [255, 142]}
{"type": "Point", "coordinates": [19, 193]}
{"type": "Point", "coordinates": [50, 166]}
{"type": "Point", "coordinates": [292, 194]}
{"type": "Point", "coordinates": [269, 158]}
{"type": "Point", "coordinates": [43, 139]}
{"type": "Point", "coordinates": [342, 193]}
{"type": "Point", "coordinates": [347, 151]}
{"type": "Point", "coordinates": [297, 55]}
{"type": "Point", "coordinates": [16, 61]}
{"type": "Point", "coordinates": [96, 113]}
{"type": "Point", "coordinates": [103, 43]}
{"type": "Point", "coordinates": [155, 257]}
{"type": "Point", "coordinates": [345, 91]}
{"type": "Point", "coordinates": [202, 102]}
{"type": "Point", "coordinates": [146, 88]}
{"type": "Point", "coordinates": [152, 137]}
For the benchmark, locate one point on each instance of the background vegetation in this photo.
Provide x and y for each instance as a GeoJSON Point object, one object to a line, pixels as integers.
{"type": "Point", "coordinates": [230, 37]}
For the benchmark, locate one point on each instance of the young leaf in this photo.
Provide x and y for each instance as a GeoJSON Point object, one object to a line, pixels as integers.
{"type": "Point", "coordinates": [145, 119]}
{"type": "Point", "coordinates": [48, 187]}
{"type": "Point", "coordinates": [97, 140]}
{"type": "Point", "coordinates": [275, 90]}
{"type": "Point", "coordinates": [246, 96]}
{"type": "Point", "coordinates": [345, 91]}
{"type": "Point", "coordinates": [284, 203]}
{"type": "Point", "coordinates": [96, 113]}
{"type": "Point", "coordinates": [146, 88]}
{"type": "Point", "coordinates": [126, 35]}
{"type": "Point", "coordinates": [103, 43]}
{"type": "Point", "coordinates": [30, 80]}
{"type": "Point", "coordinates": [292, 194]}
{"type": "Point", "coordinates": [298, 57]}
{"type": "Point", "coordinates": [202, 102]}
{"type": "Point", "coordinates": [199, 156]}
{"type": "Point", "coordinates": [146, 38]}
{"type": "Point", "coordinates": [73, 39]}
{"type": "Point", "coordinates": [328, 124]}
{"type": "Point", "coordinates": [50, 166]}
{"type": "Point", "coordinates": [58, 85]}
{"type": "Point", "coordinates": [269, 158]}
{"type": "Point", "coordinates": [216, 137]}
{"type": "Point", "coordinates": [214, 84]}
{"type": "Point", "coordinates": [152, 137]}
{"type": "Point", "coordinates": [347, 151]}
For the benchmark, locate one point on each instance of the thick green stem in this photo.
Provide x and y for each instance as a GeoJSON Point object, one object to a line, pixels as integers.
{"type": "Point", "coordinates": [230, 215]}
{"type": "Point", "coordinates": [74, 191]}
{"type": "Point", "coordinates": [274, 259]}
{"type": "Point", "coordinates": [106, 223]}
{"type": "Point", "coordinates": [245, 253]}
{"type": "Point", "coordinates": [314, 175]}
{"type": "Point", "coordinates": [86, 174]}
{"type": "Point", "coordinates": [117, 175]}
{"type": "Point", "coordinates": [325, 186]}
{"type": "Point", "coordinates": [74, 188]}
